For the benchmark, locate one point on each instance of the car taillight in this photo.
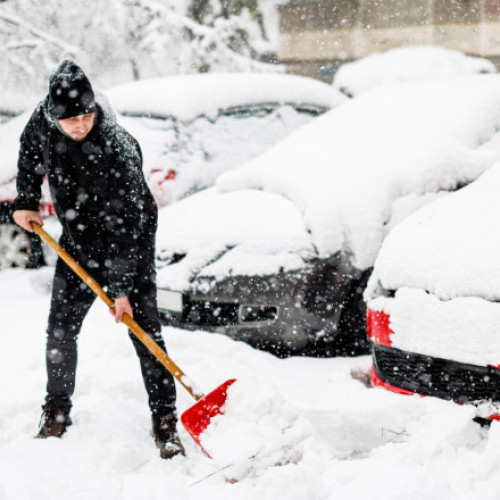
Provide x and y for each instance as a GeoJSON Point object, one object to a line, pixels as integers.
{"type": "Point", "coordinates": [170, 176]}
{"type": "Point", "coordinates": [378, 327]}
{"type": "Point", "coordinates": [159, 176]}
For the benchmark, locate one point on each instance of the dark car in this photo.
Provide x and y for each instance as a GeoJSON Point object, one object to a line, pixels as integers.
{"type": "Point", "coordinates": [279, 251]}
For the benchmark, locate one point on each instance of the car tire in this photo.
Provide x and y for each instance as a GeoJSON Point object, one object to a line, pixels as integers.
{"type": "Point", "coordinates": [18, 248]}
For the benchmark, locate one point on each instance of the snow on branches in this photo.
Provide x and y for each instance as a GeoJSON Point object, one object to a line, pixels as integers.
{"type": "Point", "coordinates": [120, 40]}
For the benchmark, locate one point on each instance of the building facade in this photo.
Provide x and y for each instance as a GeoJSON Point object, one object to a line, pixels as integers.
{"type": "Point", "coordinates": [316, 36]}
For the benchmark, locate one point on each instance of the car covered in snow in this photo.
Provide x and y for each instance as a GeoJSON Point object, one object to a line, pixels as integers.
{"type": "Point", "coordinates": [191, 128]}
{"type": "Point", "coordinates": [434, 300]}
{"type": "Point", "coordinates": [279, 251]}
{"type": "Point", "coordinates": [405, 64]}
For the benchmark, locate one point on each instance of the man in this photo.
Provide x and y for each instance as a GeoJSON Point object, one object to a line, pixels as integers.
{"type": "Point", "coordinates": [109, 221]}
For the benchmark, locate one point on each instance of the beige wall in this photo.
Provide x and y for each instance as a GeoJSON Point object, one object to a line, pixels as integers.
{"type": "Point", "coordinates": [319, 35]}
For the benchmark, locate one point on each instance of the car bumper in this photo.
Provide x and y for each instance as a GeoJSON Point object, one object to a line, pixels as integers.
{"type": "Point", "coordinates": [271, 325]}
{"type": "Point", "coordinates": [411, 373]}
{"type": "Point", "coordinates": [298, 311]}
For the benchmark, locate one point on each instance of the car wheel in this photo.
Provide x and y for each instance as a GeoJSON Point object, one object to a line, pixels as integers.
{"type": "Point", "coordinates": [18, 248]}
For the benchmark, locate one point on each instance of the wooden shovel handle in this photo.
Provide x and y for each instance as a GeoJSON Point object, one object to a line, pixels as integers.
{"type": "Point", "coordinates": [153, 347]}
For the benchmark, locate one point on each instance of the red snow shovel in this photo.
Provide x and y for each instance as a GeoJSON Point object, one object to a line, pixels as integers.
{"type": "Point", "coordinates": [196, 418]}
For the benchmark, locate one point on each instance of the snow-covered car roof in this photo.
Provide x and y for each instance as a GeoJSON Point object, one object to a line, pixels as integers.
{"type": "Point", "coordinates": [190, 96]}
{"type": "Point", "coordinates": [350, 175]}
{"type": "Point", "coordinates": [406, 64]}
{"type": "Point", "coordinates": [450, 248]}
{"type": "Point", "coordinates": [201, 149]}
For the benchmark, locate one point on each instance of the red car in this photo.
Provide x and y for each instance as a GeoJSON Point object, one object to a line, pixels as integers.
{"type": "Point", "coordinates": [434, 301]}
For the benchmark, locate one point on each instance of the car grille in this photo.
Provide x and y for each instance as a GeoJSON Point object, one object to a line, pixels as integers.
{"type": "Point", "coordinates": [207, 313]}
{"type": "Point", "coordinates": [438, 377]}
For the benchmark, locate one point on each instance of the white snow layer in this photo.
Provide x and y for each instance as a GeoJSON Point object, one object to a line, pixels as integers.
{"type": "Point", "coordinates": [351, 171]}
{"type": "Point", "coordinates": [314, 432]}
{"type": "Point", "coordinates": [443, 262]}
{"type": "Point", "coordinates": [464, 329]}
{"type": "Point", "coordinates": [451, 247]}
{"type": "Point", "coordinates": [349, 176]}
{"type": "Point", "coordinates": [406, 64]}
{"type": "Point", "coordinates": [189, 96]}
{"type": "Point", "coordinates": [252, 231]}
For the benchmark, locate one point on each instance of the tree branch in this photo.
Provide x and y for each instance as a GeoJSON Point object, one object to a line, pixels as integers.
{"type": "Point", "coordinates": [39, 34]}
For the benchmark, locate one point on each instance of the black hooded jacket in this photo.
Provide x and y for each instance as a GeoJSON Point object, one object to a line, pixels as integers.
{"type": "Point", "coordinates": [100, 196]}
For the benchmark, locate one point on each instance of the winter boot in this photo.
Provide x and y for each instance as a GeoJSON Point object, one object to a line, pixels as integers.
{"type": "Point", "coordinates": [54, 423]}
{"type": "Point", "coordinates": [166, 438]}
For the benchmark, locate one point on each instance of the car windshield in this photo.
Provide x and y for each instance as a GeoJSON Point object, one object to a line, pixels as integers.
{"type": "Point", "coordinates": [204, 148]}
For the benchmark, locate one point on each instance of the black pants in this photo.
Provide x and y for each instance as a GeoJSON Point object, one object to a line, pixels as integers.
{"type": "Point", "coordinates": [71, 300]}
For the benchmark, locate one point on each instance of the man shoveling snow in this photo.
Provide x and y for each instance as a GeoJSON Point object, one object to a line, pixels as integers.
{"type": "Point", "coordinates": [109, 221]}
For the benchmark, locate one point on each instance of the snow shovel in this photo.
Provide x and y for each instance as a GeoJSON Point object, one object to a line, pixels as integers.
{"type": "Point", "coordinates": [196, 418]}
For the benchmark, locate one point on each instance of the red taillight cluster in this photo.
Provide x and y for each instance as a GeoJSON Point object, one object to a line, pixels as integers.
{"type": "Point", "coordinates": [378, 327]}
{"type": "Point", "coordinates": [160, 176]}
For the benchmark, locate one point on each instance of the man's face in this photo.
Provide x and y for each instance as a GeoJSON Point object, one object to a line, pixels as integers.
{"type": "Point", "coordinates": [77, 127]}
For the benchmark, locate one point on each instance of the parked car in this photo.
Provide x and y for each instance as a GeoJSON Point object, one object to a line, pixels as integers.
{"type": "Point", "coordinates": [406, 64]}
{"type": "Point", "coordinates": [434, 300]}
{"type": "Point", "coordinates": [279, 251]}
{"type": "Point", "coordinates": [190, 127]}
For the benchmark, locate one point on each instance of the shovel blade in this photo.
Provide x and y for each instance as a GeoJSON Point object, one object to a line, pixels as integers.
{"type": "Point", "coordinates": [197, 418]}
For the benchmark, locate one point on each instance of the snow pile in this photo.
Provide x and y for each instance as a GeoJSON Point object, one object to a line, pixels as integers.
{"type": "Point", "coordinates": [444, 260]}
{"type": "Point", "coordinates": [258, 430]}
{"type": "Point", "coordinates": [352, 442]}
{"type": "Point", "coordinates": [449, 248]}
{"type": "Point", "coordinates": [189, 96]}
{"type": "Point", "coordinates": [406, 64]}
{"type": "Point", "coordinates": [230, 226]}
{"type": "Point", "coordinates": [345, 170]}
{"type": "Point", "coordinates": [346, 176]}
{"type": "Point", "coordinates": [464, 329]}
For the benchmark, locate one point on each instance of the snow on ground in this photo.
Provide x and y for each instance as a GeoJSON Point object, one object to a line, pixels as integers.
{"type": "Point", "coordinates": [405, 64]}
{"type": "Point", "coordinates": [316, 433]}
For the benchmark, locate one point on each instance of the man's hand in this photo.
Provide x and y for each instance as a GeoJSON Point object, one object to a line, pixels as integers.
{"type": "Point", "coordinates": [24, 218]}
{"type": "Point", "coordinates": [122, 305]}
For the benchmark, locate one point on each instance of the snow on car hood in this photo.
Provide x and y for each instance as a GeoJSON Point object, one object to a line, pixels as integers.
{"type": "Point", "coordinates": [347, 170]}
{"type": "Point", "coordinates": [450, 248]}
{"type": "Point", "coordinates": [189, 96]}
{"type": "Point", "coordinates": [241, 233]}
